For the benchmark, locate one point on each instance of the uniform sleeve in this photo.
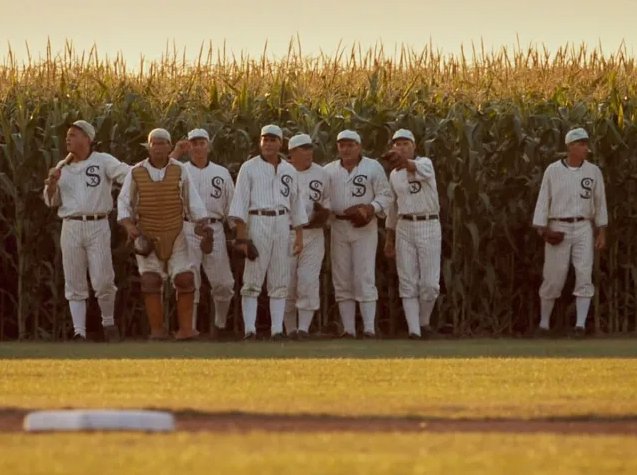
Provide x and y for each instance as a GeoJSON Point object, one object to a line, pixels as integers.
{"type": "Point", "coordinates": [229, 192]}
{"type": "Point", "coordinates": [55, 200]}
{"type": "Point", "coordinates": [382, 193]}
{"type": "Point", "coordinates": [325, 196]}
{"type": "Point", "coordinates": [298, 216]}
{"type": "Point", "coordinates": [116, 170]}
{"type": "Point", "coordinates": [240, 203]}
{"type": "Point", "coordinates": [125, 200]}
{"type": "Point", "coordinates": [424, 168]}
{"type": "Point", "coordinates": [194, 207]}
{"type": "Point", "coordinates": [601, 213]}
{"type": "Point", "coordinates": [541, 214]}
{"type": "Point", "coordinates": [392, 212]}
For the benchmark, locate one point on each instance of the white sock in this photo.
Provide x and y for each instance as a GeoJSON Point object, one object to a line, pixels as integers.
{"type": "Point", "coordinates": [546, 308]}
{"type": "Point", "coordinates": [305, 320]}
{"type": "Point", "coordinates": [347, 309]}
{"type": "Point", "coordinates": [78, 315]}
{"type": "Point", "coordinates": [107, 307]}
{"type": "Point", "coordinates": [411, 306]}
{"type": "Point", "coordinates": [290, 317]}
{"type": "Point", "coordinates": [222, 307]}
{"type": "Point", "coordinates": [582, 304]}
{"type": "Point", "coordinates": [368, 312]}
{"type": "Point", "coordinates": [277, 309]}
{"type": "Point", "coordinates": [426, 307]}
{"type": "Point", "coordinates": [249, 308]}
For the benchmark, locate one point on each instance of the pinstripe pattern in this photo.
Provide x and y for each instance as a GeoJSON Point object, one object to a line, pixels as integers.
{"type": "Point", "coordinates": [418, 247]}
{"type": "Point", "coordinates": [214, 186]}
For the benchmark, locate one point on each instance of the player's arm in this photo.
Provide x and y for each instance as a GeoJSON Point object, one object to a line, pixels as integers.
{"type": "Point", "coordinates": [51, 192]}
{"type": "Point", "coordinates": [542, 205]}
{"type": "Point", "coordinates": [193, 204]}
{"type": "Point", "coordinates": [422, 167]}
{"type": "Point", "coordinates": [298, 216]}
{"type": "Point", "coordinates": [116, 170]}
{"type": "Point", "coordinates": [390, 228]}
{"type": "Point", "coordinates": [382, 192]}
{"type": "Point", "coordinates": [601, 212]}
{"type": "Point", "coordinates": [125, 204]}
{"type": "Point", "coordinates": [229, 195]}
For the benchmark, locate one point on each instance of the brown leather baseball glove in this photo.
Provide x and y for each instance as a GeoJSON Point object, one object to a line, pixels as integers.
{"type": "Point", "coordinates": [319, 217]}
{"type": "Point", "coordinates": [252, 254]}
{"type": "Point", "coordinates": [143, 246]}
{"type": "Point", "coordinates": [553, 237]}
{"type": "Point", "coordinates": [207, 237]}
{"type": "Point", "coordinates": [360, 215]}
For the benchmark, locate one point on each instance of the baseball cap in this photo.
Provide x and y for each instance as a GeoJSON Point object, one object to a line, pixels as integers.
{"type": "Point", "coordinates": [299, 140]}
{"type": "Point", "coordinates": [348, 135]}
{"type": "Point", "coordinates": [85, 127]}
{"type": "Point", "coordinates": [198, 134]}
{"type": "Point", "coordinates": [574, 135]}
{"type": "Point", "coordinates": [159, 134]}
{"type": "Point", "coordinates": [404, 134]}
{"type": "Point", "coordinates": [272, 129]}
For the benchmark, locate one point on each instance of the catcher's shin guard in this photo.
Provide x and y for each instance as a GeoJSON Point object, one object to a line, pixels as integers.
{"type": "Point", "coordinates": [185, 304]}
{"type": "Point", "coordinates": [155, 313]}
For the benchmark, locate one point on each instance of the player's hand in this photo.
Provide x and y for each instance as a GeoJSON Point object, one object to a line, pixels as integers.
{"type": "Point", "coordinates": [600, 241]}
{"type": "Point", "coordinates": [131, 230]}
{"type": "Point", "coordinates": [182, 147]}
{"type": "Point", "coordinates": [53, 178]}
{"type": "Point", "coordinates": [298, 246]}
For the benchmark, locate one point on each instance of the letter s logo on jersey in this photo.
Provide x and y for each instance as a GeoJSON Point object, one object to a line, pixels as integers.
{"type": "Point", "coordinates": [217, 184]}
{"type": "Point", "coordinates": [587, 186]}
{"type": "Point", "coordinates": [92, 173]}
{"type": "Point", "coordinates": [316, 190]}
{"type": "Point", "coordinates": [360, 184]}
{"type": "Point", "coordinates": [286, 181]}
{"type": "Point", "coordinates": [414, 187]}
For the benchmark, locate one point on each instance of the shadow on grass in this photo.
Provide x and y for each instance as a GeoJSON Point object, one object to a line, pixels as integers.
{"type": "Point", "coordinates": [364, 349]}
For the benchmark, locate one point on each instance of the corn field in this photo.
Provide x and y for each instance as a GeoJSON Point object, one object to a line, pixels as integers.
{"type": "Point", "coordinates": [490, 121]}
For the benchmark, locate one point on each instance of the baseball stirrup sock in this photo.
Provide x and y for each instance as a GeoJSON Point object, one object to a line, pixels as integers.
{"type": "Point", "coordinates": [347, 309]}
{"type": "Point", "coordinates": [107, 307]}
{"type": "Point", "coordinates": [368, 312]}
{"type": "Point", "coordinates": [411, 306]}
{"type": "Point", "coordinates": [305, 320]}
{"type": "Point", "coordinates": [277, 308]}
{"type": "Point", "coordinates": [546, 308]}
{"type": "Point", "coordinates": [221, 312]}
{"type": "Point", "coordinates": [289, 318]}
{"type": "Point", "coordinates": [426, 307]}
{"type": "Point", "coordinates": [582, 304]}
{"type": "Point", "coordinates": [78, 315]}
{"type": "Point", "coordinates": [249, 308]}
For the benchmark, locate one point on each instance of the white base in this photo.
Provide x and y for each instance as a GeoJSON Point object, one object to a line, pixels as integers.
{"type": "Point", "coordinates": [99, 419]}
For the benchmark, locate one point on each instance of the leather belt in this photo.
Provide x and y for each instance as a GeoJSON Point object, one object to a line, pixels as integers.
{"type": "Point", "coordinates": [341, 216]}
{"type": "Point", "coordinates": [576, 219]}
{"type": "Point", "coordinates": [418, 217]}
{"type": "Point", "coordinates": [267, 212]}
{"type": "Point", "coordinates": [205, 220]}
{"type": "Point", "coordinates": [88, 217]}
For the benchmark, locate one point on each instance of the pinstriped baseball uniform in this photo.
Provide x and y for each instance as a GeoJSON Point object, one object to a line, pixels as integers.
{"type": "Point", "coordinates": [305, 269]}
{"type": "Point", "coordinates": [568, 192]}
{"type": "Point", "coordinates": [260, 187]}
{"type": "Point", "coordinates": [353, 250]}
{"type": "Point", "coordinates": [84, 188]}
{"type": "Point", "coordinates": [418, 243]}
{"type": "Point", "coordinates": [193, 209]}
{"type": "Point", "coordinates": [215, 187]}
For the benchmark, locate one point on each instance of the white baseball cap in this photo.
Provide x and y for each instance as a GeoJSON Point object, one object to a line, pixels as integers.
{"type": "Point", "coordinates": [404, 134]}
{"type": "Point", "coordinates": [159, 134]}
{"type": "Point", "coordinates": [299, 140]}
{"type": "Point", "coordinates": [85, 127]}
{"type": "Point", "coordinates": [574, 135]}
{"type": "Point", "coordinates": [272, 129]}
{"type": "Point", "coordinates": [348, 135]}
{"type": "Point", "coordinates": [198, 134]}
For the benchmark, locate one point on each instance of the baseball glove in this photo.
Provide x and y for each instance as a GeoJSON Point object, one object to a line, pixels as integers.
{"type": "Point", "coordinates": [319, 217]}
{"type": "Point", "coordinates": [207, 237]}
{"type": "Point", "coordinates": [253, 253]}
{"type": "Point", "coordinates": [553, 237]}
{"type": "Point", "coordinates": [143, 246]}
{"type": "Point", "coordinates": [360, 215]}
{"type": "Point", "coordinates": [392, 159]}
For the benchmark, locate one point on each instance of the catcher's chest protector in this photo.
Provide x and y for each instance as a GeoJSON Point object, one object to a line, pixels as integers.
{"type": "Point", "coordinates": [160, 208]}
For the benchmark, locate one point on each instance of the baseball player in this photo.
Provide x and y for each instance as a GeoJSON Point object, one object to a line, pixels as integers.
{"type": "Point", "coordinates": [156, 194]}
{"type": "Point", "coordinates": [80, 187]}
{"type": "Point", "coordinates": [266, 202]}
{"type": "Point", "coordinates": [305, 269]}
{"type": "Point", "coordinates": [216, 188]}
{"type": "Point", "coordinates": [570, 210]}
{"type": "Point", "coordinates": [413, 234]}
{"type": "Point", "coordinates": [358, 192]}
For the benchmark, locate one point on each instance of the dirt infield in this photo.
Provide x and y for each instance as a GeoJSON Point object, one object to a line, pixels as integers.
{"type": "Point", "coordinates": [233, 422]}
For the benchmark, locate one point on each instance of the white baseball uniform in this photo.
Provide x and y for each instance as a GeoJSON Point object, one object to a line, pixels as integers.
{"type": "Point", "coordinates": [414, 215]}
{"type": "Point", "coordinates": [577, 195]}
{"type": "Point", "coordinates": [353, 250]}
{"type": "Point", "coordinates": [305, 269]}
{"type": "Point", "coordinates": [194, 210]}
{"type": "Point", "coordinates": [215, 187]}
{"type": "Point", "coordinates": [84, 201]}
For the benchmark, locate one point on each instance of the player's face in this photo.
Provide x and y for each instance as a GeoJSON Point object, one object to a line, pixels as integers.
{"type": "Point", "coordinates": [270, 145]}
{"type": "Point", "coordinates": [348, 149]}
{"type": "Point", "coordinates": [578, 150]}
{"type": "Point", "coordinates": [199, 148]}
{"type": "Point", "coordinates": [405, 147]}
{"type": "Point", "coordinates": [159, 149]}
{"type": "Point", "coordinates": [76, 140]}
{"type": "Point", "coordinates": [301, 157]}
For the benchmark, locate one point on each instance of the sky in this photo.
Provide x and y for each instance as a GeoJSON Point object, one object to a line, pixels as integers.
{"type": "Point", "coordinates": [143, 27]}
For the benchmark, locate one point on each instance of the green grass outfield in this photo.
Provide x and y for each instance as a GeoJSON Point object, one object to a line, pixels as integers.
{"type": "Point", "coordinates": [470, 379]}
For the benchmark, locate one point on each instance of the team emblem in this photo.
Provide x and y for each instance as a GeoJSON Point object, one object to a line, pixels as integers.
{"type": "Point", "coordinates": [316, 190]}
{"type": "Point", "coordinates": [92, 173]}
{"type": "Point", "coordinates": [217, 184]}
{"type": "Point", "coordinates": [360, 185]}
{"type": "Point", "coordinates": [587, 186]}
{"type": "Point", "coordinates": [286, 181]}
{"type": "Point", "coordinates": [414, 187]}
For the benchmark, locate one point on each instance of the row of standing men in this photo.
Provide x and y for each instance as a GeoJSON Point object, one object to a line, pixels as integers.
{"type": "Point", "coordinates": [174, 212]}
